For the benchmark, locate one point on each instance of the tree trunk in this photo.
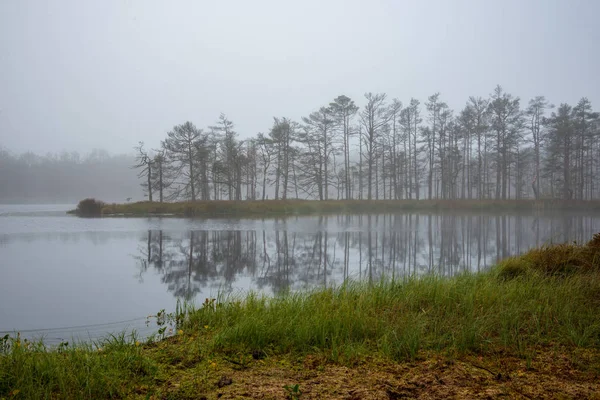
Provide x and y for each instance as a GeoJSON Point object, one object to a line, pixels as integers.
{"type": "Point", "coordinates": [160, 182]}
{"type": "Point", "coordinates": [191, 172]}
{"type": "Point", "coordinates": [150, 182]}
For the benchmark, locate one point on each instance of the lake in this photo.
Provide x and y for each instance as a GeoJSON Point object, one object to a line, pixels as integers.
{"type": "Point", "coordinates": [65, 277]}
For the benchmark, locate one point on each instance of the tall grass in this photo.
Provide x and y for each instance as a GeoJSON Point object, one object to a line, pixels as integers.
{"type": "Point", "coordinates": [468, 313]}
{"type": "Point", "coordinates": [106, 369]}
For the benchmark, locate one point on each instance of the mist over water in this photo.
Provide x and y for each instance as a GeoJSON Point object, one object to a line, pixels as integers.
{"type": "Point", "coordinates": [67, 178]}
{"type": "Point", "coordinates": [60, 271]}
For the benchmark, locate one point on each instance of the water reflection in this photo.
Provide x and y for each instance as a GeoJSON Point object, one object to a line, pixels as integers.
{"type": "Point", "coordinates": [367, 247]}
{"type": "Point", "coordinates": [66, 272]}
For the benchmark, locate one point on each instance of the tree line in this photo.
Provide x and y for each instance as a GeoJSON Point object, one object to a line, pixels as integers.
{"type": "Point", "coordinates": [494, 148]}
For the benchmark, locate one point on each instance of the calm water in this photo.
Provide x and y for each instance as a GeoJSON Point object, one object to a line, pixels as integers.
{"type": "Point", "coordinates": [63, 276]}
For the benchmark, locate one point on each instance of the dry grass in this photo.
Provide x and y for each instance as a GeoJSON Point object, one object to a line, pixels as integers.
{"type": "Point", "coordinates": [550, 372]}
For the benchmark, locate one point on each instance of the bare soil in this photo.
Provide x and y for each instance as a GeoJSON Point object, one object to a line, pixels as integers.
{"type": "Point", "coordinates": [550, 373]}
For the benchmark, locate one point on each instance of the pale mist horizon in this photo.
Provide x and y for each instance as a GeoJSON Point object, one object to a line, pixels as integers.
{"type": "Point", "coordinates": [82, 76]}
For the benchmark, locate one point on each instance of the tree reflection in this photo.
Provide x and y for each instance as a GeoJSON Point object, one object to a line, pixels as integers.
{"type": "Point", "coordinates": [377, 246]}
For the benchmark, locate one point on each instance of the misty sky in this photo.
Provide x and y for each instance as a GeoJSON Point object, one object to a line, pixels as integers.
{"type": "Point", "coordinates": [77, 75]}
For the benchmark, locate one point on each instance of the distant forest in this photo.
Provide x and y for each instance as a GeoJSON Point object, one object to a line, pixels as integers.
{"type": "Point", "coordinates": [494, 148]}
{"type": "Point", "coordinates": [67, 177]}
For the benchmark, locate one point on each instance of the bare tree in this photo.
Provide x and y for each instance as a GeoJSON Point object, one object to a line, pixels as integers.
{"type": "Point", "coordinates": [163, 176]}
{"type": "Point", "coordinates": [231, 159]}
{"type": "Point", "coordinates": [561, 147]}
{"type": "Point", "coordinates": [144, 163]}
{"type": "Point", "coordinates": [410, 119]}
{"type": "Point", "coordinates": [374, 117]}
{"type": "Point", "coordinates": [507, 123]}
{"type": "Point", "coordinates": [319, 137]}
{"type": "Point", "coordinates": [535, 112]}
{"type": "Point", "coordinates": [281, 137]}
{"type": "Point", "coordinates": [183, 145]}
{"type": "Point", "coordinates": [343, 109]}
{"type": "Point", "coordinates": [251, 168]}
{"type": "Point", "coordinates": [266, 155]}
{"type": "Point", "coordinates": [585, 120]}
{"type": "Point", "coordinates": [435, 107]}
{"type": "Point", "coordinates": [474, 118]}
{"type": "Point", "coordinates": [396, 166]}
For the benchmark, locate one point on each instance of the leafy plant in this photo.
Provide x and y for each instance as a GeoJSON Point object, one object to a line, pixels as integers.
{"type": "Point", "coordinates": [293, 391]}
{"type": "Point", "coordinates": [170, 322]}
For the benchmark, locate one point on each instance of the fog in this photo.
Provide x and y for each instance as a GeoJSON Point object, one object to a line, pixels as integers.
{"type": "Point", "coordinates": [78, 75]}
{"type": "Point", "coordinates": [66, 178]}
{"type": "Point", "coordinates": [252, 85]}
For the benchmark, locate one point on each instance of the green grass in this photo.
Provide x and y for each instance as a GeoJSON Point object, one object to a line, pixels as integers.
{"type": "Point", "coordinates": [33, 371]}
{"type": "Point", "coordinates": [469, 313]}
{"type": "Point", "coordinates": [547, 298]}
{"type": "Point", "coordinates": [309, 207]}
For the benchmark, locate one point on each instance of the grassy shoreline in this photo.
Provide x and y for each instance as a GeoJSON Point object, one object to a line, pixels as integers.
{"type": "Point", "coordinates": [527, 328]}
{"type": "Point", "coordinates": [224, 208]}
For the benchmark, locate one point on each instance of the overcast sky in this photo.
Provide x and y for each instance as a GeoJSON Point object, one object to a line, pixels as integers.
{"type": "Point", "coordinates": [77, 75]}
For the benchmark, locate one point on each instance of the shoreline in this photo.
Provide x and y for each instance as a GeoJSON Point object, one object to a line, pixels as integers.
{"type": "Point", "coordinates": [526, 328]}
{"type": "Point", "coordinates": [274, 208]}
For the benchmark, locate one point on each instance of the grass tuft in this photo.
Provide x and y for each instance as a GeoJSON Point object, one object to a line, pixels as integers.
{"type": "Point", "coordinates": [75, 371]}
{"type": "Point", "coordinates": [554, 260]}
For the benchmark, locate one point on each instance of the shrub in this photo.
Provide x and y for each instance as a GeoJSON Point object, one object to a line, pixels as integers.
{"type": "Point", "coordinates": [90, 208]}
{"type": "Point", "coordinates": [512, 268]}
{"type": "Point", "coordinates": [595, 242]}
{"type": "Point", "coordinates": [565, 259]}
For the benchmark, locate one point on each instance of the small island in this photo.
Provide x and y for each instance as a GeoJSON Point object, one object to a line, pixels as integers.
{"type": "Point", "coordinates": [274, 208]}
